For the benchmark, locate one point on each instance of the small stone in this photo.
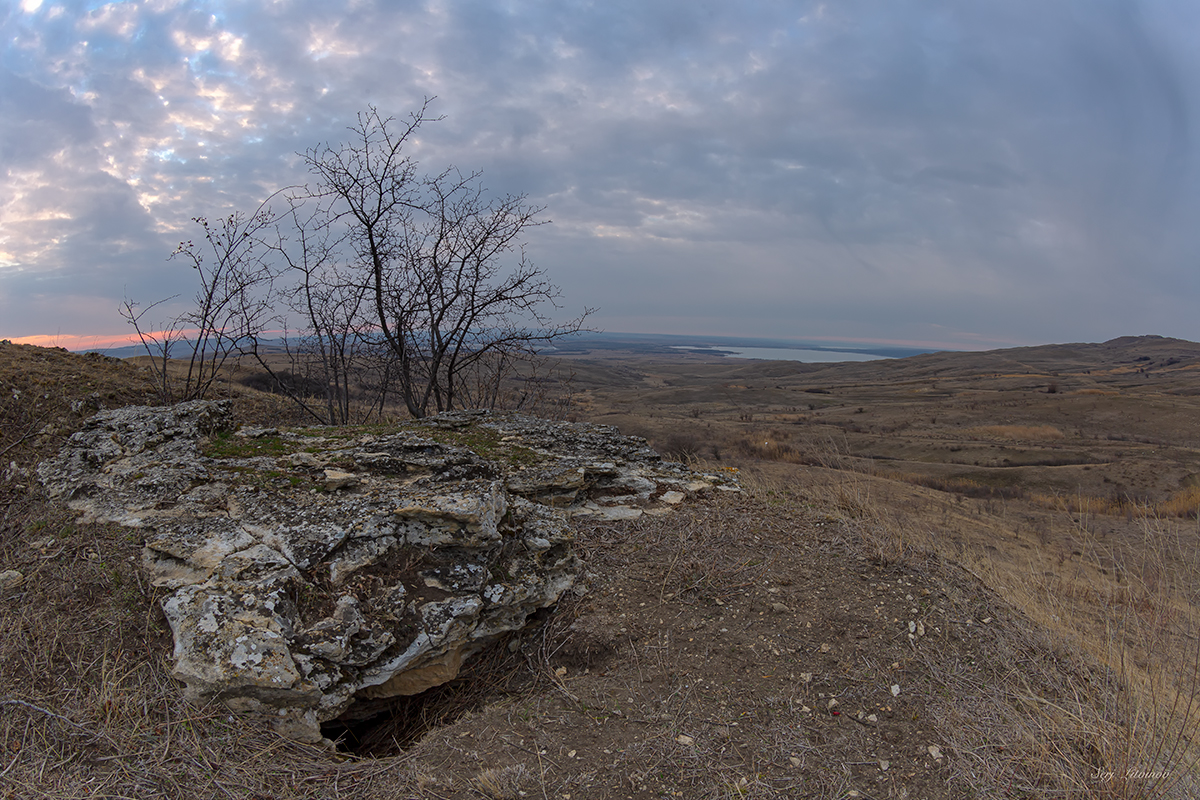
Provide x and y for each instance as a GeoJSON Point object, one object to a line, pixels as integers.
{"type": "Point", "coordinates": [336, 479]}
{"type": "Point", "coordinates": [806, 677]}
{"type": "Point", "coordinates": [304, 460]}
{"type": "Point", "coordinates": [10, 579]}
{"type": "Point", "coordinates": [832, 704]}
{"type": "Point", "coordinates": [895, 690]}
{"type": "Point", "coordinates": [825, 648]}
{"type": "Point", "coordinates": [920, 629]}
{"type": "Point", "coordinates": [795, 762]}
{"type": "Point", "coordinates": [935, 752]}
{"type": "Point", "coordinates": [251, 432]}
{"type": "Point", "coordinates": [884, 764]}
{"type": "Point", "coordinates": [780, 608]}
{"type": "Point", "coordinates": [683, 738]}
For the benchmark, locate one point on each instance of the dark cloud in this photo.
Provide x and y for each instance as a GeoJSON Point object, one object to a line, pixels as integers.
{"type": "Point", "coordinates": [36, 122]}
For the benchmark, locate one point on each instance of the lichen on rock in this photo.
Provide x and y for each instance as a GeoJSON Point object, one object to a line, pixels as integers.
{"type": "Point", "coordinates": [310, 567]}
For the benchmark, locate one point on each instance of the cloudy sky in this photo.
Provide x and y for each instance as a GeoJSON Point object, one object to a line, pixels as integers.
{"type": "Point", "coordinates": [951, 173]}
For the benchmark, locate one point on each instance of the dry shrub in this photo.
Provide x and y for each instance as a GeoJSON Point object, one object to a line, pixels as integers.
{"type": "Point", "coordinates": [1022, 432]}
{"type": "Point", "coordinates": [697, 550]}
{"type": "Point", "coordinates": [884, 535]}
{"type": "Point", "coordinates": [1184, 503]}
{"type": "Point", "coordinates": [966, 487]}
{"type": "Point", "coordinates": [821, 450]}
{"type": "Point", "coordinates": [769, 450]}
{"type": "Point", "coordinates": [680, 446]}
{"type": "Point", "coordinates": [502, 783]}
{"type": "Point", "coordinates": [1086, 504]}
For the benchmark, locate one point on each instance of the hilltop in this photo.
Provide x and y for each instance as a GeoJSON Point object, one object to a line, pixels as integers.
{"type": "Point", "coordinates": [910, 599]}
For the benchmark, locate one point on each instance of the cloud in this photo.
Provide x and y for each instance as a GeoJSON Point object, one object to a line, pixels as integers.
{"type": "Point", "coordinates": [990, 171]}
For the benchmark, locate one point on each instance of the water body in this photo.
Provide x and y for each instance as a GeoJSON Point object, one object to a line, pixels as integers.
{"type": "Point", "coordinates": [785, 354]}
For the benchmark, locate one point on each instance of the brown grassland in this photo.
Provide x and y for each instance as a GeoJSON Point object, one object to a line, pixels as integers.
{"type": "Point", "coordinates": [953, 575]}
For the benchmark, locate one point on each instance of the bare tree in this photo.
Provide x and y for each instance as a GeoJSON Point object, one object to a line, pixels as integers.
{"type": "Point", "coordinates": [317, 290]}
{"type": "Point", "coordinates": [158, 340]}
{"type": "Point", "coordinates": [454, 296]}
{"type": "Point", "coordinates": [377, 277]}
{"type": "Point", "coordinates": [231, 304]}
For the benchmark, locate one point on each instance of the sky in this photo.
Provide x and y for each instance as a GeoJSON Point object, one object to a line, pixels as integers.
{"type": "Point", "coordinates": [959, 174]}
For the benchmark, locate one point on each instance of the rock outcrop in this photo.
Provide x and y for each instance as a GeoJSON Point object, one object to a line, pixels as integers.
{"type": "Point", "coordinates": [311, 568]}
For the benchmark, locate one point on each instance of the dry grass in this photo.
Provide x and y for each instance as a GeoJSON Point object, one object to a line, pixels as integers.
{"type": "Point", "coordinates": [769, 450]}
{"type": "Point", "coordinates": [1103, 699]}
{"type": "Point", "coordinates": [1184, 503]}
{"type": "Point", "coordinates": [967, 487]}
{"type": "Point", "coordinates": [502, 783]}
{"type": "Point", "coordinates": [87, 707]}
{"type": "Point", "coordinates": [884, 535]}
{"type": "Point", "coordinates": [696, 555]}
{"type": "Point", "coordinates": [1019, 432]}
{"type": "Point", "coordinates": [1083, 504]}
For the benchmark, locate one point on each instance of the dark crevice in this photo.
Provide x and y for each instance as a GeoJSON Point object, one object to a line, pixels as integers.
{"type": "Point", "coordinates": [378, 728]}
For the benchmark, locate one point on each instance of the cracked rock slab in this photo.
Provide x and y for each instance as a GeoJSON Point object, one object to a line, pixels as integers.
{"type": "Point", "coordinates": [311, 567]}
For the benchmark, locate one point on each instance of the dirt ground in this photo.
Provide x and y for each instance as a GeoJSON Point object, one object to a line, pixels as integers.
{"type": "Point", "coordinates": [827, 633]}
{"type": "Point", "coordinates": [736, 650]}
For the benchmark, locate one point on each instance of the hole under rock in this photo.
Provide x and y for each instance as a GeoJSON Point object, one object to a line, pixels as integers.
{"type": "Point", "coordinates": [381, 728]}
{"type": "Point", "coordinates": [386, 727]}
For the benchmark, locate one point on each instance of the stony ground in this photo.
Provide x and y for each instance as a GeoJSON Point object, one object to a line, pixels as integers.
{"type": "Point", "coordinates": [731, 652]}
{"type": "Point", "coordinates": [746, 649]}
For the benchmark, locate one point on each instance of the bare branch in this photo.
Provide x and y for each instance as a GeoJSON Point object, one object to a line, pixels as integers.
{"type": "Point", "coordinates": [417, 284]}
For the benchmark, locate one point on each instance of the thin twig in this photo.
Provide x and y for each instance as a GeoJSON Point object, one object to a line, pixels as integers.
{"type": "Point", "coordinates": [47, 712]}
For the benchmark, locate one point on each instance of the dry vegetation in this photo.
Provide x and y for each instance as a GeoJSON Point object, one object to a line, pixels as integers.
{"type": "Point", "coordinates": [1019, 563]}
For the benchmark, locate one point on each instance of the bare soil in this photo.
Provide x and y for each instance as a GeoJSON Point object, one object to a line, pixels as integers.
{"type": "Point", "coordinates": [736, 650]}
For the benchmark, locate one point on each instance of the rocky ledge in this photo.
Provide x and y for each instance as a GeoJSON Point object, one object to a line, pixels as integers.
{"type": "Point", "coordinates": [311, 568]}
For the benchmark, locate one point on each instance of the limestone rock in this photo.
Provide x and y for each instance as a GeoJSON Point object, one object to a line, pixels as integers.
{"type": "Point", "coordinates": [311, 568]}
{"type": "Point", "coordinates": [11, 579]}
